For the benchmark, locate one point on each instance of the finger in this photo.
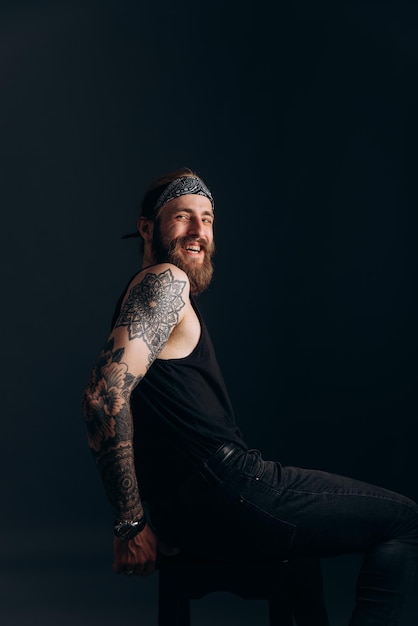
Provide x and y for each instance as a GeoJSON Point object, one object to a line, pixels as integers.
{"type": "Point", "coordinates": [146, 569]}
{"type": "Point", "coordinates": [123, 567]}
{"type": "Point", "coordinates": [130, 571]}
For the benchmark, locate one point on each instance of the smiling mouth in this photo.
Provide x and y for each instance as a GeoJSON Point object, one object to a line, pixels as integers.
{"type": "Point", "coordinates": [192, 249]}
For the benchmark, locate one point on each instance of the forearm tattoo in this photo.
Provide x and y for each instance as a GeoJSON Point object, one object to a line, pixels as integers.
{"type": "Point", "coordinates": [152, 310]}
{"type": "Point", "coordinates": [150, 313]}
{"type": "Point", "coordinates": [109, 430]}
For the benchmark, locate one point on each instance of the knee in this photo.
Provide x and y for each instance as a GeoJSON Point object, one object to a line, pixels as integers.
{"type": "Point", "coordinates": [409, 522]}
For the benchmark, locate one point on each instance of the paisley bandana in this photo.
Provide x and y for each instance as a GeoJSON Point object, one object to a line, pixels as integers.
{"type": "Point", "coordinates": [181, 187]}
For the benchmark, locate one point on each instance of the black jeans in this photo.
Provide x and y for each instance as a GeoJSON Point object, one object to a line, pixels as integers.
{"type": "Point", "coordinates": [240, 506]}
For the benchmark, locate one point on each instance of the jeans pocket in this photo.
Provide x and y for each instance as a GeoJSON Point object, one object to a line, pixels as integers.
{"type": "Point", "coordinates": [238, 520]}
{"type": "Point", "coordinates": [254, 526]}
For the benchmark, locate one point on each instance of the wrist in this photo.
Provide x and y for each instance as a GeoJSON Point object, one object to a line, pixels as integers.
{"type": "Point", "coordinates": [128, 529]}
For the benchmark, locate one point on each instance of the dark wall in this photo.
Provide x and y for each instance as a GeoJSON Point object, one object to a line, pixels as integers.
{"type": "Point", "coordinates": [302, 120]}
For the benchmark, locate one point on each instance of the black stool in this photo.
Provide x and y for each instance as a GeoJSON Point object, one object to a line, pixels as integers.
{"type": "Point", "coordinates": [293, 589]}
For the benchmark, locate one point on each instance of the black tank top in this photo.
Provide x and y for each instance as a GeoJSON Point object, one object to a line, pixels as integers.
{"type": "Point", "coordinates": [182, 413]}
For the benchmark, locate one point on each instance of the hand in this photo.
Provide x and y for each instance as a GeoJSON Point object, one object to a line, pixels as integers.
{"type": "Point", "coordinates": [138, 556]}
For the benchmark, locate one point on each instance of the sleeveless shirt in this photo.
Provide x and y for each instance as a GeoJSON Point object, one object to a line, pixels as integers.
{"type": "Point", "coordinates": [182, 413]}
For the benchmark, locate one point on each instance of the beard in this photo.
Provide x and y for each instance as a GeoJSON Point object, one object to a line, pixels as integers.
{"type": "Point", "coordinates": [199, 274]}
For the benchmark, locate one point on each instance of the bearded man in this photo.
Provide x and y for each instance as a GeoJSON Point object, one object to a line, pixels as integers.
{"type": "Point", "coordinates": [174, 464]}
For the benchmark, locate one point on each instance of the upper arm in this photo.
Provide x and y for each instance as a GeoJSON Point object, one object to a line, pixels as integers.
{"type": "Point", "coordinates": [153, 306]}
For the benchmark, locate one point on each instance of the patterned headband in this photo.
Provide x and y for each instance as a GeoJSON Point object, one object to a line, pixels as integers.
{"type": "Point", "coordinates": [181, 187]}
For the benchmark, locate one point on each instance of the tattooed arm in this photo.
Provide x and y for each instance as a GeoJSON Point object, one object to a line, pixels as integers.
{"type": "Point", "coordinates": [153, 307]}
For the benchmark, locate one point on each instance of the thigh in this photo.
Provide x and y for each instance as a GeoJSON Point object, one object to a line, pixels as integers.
{"type": "Point", "coordinates": [231, 515]}
{"type": "Point", "coordinates": [335, 514]}
{"type": "Point", "coordinates": [258, 509]}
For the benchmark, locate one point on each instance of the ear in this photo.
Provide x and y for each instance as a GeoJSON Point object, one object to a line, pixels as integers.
{"type": "Point", "coordinates": [145, 228]}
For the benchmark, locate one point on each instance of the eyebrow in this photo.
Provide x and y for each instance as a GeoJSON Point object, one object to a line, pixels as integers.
{"type": "Point", "coordinates": [187, 210]}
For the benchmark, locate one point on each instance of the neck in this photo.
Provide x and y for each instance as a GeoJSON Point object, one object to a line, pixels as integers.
{"type": "Point", "coordinates": [147, 258]}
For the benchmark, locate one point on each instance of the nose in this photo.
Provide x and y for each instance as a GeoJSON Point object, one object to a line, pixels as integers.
{"type": "Point", "coordinates": [196, 227]}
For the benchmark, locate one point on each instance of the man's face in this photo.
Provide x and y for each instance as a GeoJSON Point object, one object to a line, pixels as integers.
{"type": "Point", "coordinates": [183, 235]}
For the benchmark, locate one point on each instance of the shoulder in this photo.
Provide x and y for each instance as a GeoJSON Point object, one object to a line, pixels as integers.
{"type": "Point", "coordinates": [165, 275]}
{"type": "Point", "coordinates": [158, 291]}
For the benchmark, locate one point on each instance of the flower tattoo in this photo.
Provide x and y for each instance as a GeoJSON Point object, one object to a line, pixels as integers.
{"type": "Point", "coordinates": [106, 398]}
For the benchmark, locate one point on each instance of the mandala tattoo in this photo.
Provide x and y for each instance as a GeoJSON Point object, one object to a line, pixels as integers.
{"type": "Point", "coordinates": [152, 310]}
{"type": "Point", "coordinates": [118, 475]}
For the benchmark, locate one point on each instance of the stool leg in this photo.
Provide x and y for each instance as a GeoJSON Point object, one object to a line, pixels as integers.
{"type": "Point", "coordinates": [280, 613]}
{"type": "Point", "coordinates": [173, 605]}
{"type": "Point", "coordinates": [308, 594]}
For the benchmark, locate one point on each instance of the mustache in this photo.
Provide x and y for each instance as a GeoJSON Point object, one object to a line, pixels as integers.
{"type": "Point", "coordinates": [181, 242]}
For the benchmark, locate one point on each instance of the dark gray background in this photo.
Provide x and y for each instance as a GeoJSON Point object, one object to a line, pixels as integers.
{"type": "Point", "coordinates": [301, 118]}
